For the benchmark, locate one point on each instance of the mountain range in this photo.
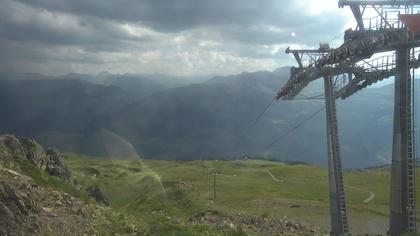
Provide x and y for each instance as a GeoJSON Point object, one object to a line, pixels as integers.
{"type": "Point", "coordinates": [168, 117]}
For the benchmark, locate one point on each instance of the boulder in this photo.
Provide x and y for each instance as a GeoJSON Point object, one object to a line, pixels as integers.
{"type": "Point", "coordinates": [34, 153]}
{"type": "Point", "coordinates": [55, 166]}
{"type": "Point", "coordinates": [96, 193]}
{"type": "Point", "coordinates": [13, 145]}
{"type": "Point", "coordinates": [10, 148]}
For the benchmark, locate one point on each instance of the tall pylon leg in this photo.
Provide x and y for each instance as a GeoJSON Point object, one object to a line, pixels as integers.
{"type": "Point", "coordinates": [402, 196]}
{"type": "Point", "coordinates": [338, 209]}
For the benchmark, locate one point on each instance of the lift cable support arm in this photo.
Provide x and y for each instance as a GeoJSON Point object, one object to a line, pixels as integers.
{"type": "Point", "coordinates": [356, 76]}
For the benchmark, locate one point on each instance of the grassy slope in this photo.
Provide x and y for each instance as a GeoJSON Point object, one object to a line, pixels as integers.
{"type": "Point", "coordinates": [243, 187]}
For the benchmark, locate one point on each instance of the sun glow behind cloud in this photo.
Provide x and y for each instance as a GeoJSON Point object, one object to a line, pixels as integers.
{"type": "Point", "coordinates": [151, 36]}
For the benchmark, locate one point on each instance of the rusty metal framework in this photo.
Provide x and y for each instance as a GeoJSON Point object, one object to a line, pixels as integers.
{"type": "Point", "coordinates": [358, 65]}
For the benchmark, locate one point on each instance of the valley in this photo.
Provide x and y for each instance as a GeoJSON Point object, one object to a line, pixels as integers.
{"type": "Point", "coordinates": [192, 119]}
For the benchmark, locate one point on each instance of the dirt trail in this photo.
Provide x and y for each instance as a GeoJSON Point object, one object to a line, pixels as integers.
{"type": "Point", "coordinates": [367, 200]}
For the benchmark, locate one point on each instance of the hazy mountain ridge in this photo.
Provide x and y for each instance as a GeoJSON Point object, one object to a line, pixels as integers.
{"type": "Point", "coordinates": [203, 120]}
{"type": "Point", "coordinates": [209, 121]}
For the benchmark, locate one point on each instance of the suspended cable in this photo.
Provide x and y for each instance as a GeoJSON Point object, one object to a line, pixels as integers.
{"type": "Point", "coordinates": [335, 38]}
{"type": "Point", "coordinates": [311, 98]}
{"type": "Point", "coordinates": [260, 115]}
{"type": "Point", "coordinates": [305, 97]}
{"type": "Point", "coordinates": [245, 133]}
{"type": "Point", "coordinates": [294, 128]}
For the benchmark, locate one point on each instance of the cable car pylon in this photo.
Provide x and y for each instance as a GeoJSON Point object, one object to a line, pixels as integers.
{"type": "Point", "coordinates": [394, 29]}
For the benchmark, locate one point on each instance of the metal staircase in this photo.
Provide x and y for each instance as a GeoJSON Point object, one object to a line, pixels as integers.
{"type": "Point", "coordinates": [411, 165]}
{"type": "Point", "coordinates": [384, 63]}
{"type": "Point", "coordinates": [338, 200]}
{"type": "Point", "coordinates": [402, 201]}
{"type": "Point", "coordinates": [367, 73]}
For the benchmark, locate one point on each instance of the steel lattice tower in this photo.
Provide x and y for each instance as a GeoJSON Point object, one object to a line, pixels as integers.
{"type": "Point", "coordinates": [386, 32]}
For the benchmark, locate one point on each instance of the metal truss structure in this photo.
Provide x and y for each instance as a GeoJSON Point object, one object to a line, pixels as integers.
{"type": "Point", "coordinates": [383, 31]}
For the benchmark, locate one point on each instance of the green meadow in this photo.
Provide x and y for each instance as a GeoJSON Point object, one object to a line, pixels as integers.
{"type": "Point", "coordinates": [153, 192]}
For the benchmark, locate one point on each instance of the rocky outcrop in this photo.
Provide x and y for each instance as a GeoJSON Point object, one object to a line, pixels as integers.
{"type": "Point", "coordinates": [13, 145]}
{"type": "Point", "coordinates": [29, 149]}
{"type": "Point", "coordinates": [96, 193]}
{"type": "Point", "coordinates": [29, 209]}
{"type": "Point", "coordinates": [55, 166]}
{"type": "Point", "coordinates": [34, 153]}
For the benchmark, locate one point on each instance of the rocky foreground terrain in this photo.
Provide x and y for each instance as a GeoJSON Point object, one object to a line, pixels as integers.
{"type": "Point", "coordinates": [30, 205]}
{"type": "Point", "coordinates": [40, 196]}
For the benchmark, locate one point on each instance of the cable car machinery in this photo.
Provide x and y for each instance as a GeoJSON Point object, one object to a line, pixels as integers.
{"type": "Point", "coordinates": [385, 32]}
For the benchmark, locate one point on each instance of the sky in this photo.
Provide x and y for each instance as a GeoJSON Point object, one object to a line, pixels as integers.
{"type": "Point", "coordinates": [174, 37]}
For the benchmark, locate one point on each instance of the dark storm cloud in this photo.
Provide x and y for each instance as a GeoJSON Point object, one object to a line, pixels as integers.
{"type": "Point", "coordinates": [20, 23]}
{"type": "Point", "coordinates": [180, 15]}
{"type": "Point", "coordinates": [177, 34]}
